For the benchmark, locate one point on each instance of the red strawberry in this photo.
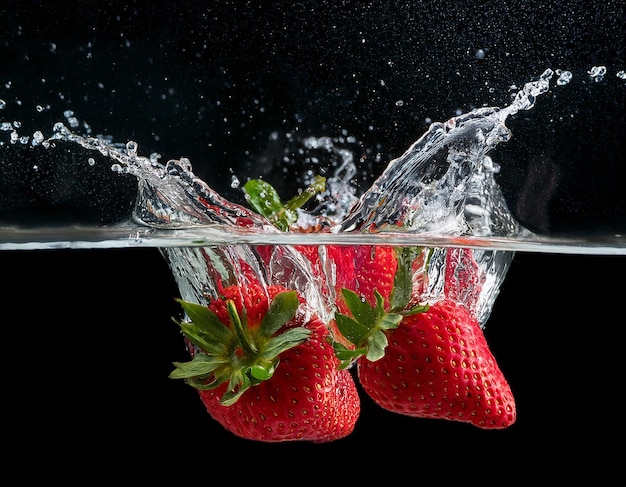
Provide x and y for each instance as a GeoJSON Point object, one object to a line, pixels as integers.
{"type": "Point", "coordinates": [360, 268]}
{"type": "Point", "coordinates": [265, 368]}
{"type": "Point", "coordinates": [438, 365]}
{"type": "Point", "coordinates": [384, 286]}
{"type": "Point", "coordinates": [363, 269]}
{"type": "Point", "coordinates": [375, 268]}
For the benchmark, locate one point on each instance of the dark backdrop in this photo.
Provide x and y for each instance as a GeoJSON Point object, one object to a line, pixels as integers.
{"type": "Point", "coordinates": [86, 340]}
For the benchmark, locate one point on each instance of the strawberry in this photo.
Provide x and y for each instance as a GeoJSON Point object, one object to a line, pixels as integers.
{"type": "Point", "coordinates": [265, 368]}
{"type": "Point", "coordinates": [429, 361]}
{"type": "Point", "coordinates": [375, 268]}
{"type": "Point", "coordinates": [438, 365]}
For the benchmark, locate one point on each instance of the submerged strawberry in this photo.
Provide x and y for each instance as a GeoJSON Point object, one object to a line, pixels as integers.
{"type": "Point", "coordinates": [438, 365]}
{"type": "Point", "coordinates": [375, 268]}
{"type": "Point", "coordinates": [265, 370]}
{"type": "Point", "coordinates": [428, 361]}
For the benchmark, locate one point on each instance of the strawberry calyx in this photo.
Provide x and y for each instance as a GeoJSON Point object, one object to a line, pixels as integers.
{"type": "Point", "coordinates": [236, 353]}
{"type": "Point", "coordinates": [365, 325]}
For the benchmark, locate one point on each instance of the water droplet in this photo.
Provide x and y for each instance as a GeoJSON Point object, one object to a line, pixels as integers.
{"type": "Point", "coordinates": [564, 78]}
{"type": "Point", "coordinates": [131, 148]}
{"type": "Point", "coordinates": [37, 138]}
{"type": "Point", "coordinates": [597, 73]}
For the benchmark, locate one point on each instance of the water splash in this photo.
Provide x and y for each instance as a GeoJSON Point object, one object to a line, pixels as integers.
{"type": "Point", "coordinates": [443, 184]}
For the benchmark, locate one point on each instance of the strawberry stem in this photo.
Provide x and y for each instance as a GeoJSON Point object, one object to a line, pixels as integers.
{"type": "Point", "coordinates": [317, 186]}
{"type": "Point", "coordinates": [246, 344]}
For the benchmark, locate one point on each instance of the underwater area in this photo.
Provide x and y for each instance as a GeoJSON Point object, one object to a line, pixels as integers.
{"type": "Point", "coordinates": [97, 97]}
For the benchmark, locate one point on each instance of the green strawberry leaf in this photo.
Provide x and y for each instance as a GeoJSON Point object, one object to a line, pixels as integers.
{"type": "Point", "coordinates": [352, 329]}
{"type": "Point", "coordinates": [403, 280]}
{"type": "Point", "coordinates": [389, 321]}
{"type": "Point", "coordinates": [205, 330]}
{"type": "Point", "coordinates": [366, 327]}
{"type": "Point", "coordinates": [262, 196]}
{"type": "Point", "coordinates": [346, 355]}
{"type": "Point", "coordinates": [385, 320]}
{"type": "Point", "coordinates": [200, 365]}
{"type": "Point", "coordinates": [420, 308]}
{"type": "Point", "coordinates": [238, 384]}
{"type": "Point", "coordinates": [361, 310]}
{"type": "Point", "coordinates": [265, 200]}
{"type": "Point", "coordinates": [204, 341]}
{"type": "Point", "coordinates": [205, 323]}
{"type": "Point", "coordinates": [204, 384]}
{"type": "Point", "coordinates": [247, 344]}
{"type": "Point", "coordinates": [282, 310]}
{"type": "Point", "coordinates": [376, 344]}
{"type": "Point", "coordinates": [286, 340]}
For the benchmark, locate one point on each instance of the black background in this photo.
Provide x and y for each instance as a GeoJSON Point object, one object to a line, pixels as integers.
{"type": "Point", "coordinates": [86, 340]}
